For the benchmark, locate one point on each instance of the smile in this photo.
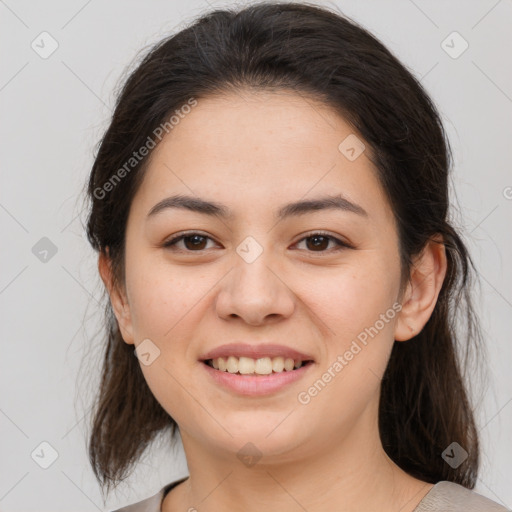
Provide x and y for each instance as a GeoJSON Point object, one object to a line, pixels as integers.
{"type": "Point", "coordinates": [255, 384]}
{"type": "Point", "coordinates": [259, 366]}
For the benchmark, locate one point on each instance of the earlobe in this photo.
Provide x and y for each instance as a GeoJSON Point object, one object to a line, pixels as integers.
{"type": "Point", "coordinates": [426, 280]}
{"type": "Point", "coordinates": [118, 300]}
{"type": "Point", "coordinates": [404, 330]}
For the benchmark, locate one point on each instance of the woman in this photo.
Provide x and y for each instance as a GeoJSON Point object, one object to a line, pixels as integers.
{"type": "Point", "coordinates": [270, 208]}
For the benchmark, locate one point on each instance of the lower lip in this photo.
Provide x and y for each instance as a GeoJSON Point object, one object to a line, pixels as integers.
{"type": "Point", "coordinates": [256, 386]}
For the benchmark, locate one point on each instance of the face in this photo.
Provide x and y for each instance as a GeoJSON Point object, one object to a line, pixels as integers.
{"type": "Point", "coordinates": [321, 282]}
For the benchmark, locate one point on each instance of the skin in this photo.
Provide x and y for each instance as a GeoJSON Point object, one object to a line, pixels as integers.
{"type": "Point", "coordinates": [255, 152]}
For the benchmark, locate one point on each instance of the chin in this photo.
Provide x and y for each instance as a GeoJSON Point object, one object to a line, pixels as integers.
{"type": "Point", "coordinates": [274, 435]}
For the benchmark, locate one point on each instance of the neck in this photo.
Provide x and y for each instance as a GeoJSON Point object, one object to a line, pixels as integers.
{"type": "Point", "coordinates": [349, 474]}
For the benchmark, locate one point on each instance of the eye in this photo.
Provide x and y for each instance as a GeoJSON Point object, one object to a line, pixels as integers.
{"type": "Point", "coordinates": [193, 241]}
{"type": "Point", "coordinates": [196, 242]}
{"type": "Point", "coordinates": [320, 241]}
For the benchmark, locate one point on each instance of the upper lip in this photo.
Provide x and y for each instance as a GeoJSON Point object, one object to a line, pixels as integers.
{"type": "Point", "coordinates": [255, 352]}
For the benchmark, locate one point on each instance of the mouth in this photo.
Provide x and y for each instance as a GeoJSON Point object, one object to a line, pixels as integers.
{"type": "Point", "coordinates": [256, 370]}
{"type": "Point", "coordinates": [253, 383]}
{"type": "Point", "coordinates": [256, 367]}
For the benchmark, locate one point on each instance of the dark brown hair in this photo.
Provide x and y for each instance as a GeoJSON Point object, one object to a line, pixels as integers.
{"type": "Point", "coordinates": [318, 53]}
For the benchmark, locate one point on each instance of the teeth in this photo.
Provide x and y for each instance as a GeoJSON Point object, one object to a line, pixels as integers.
{"type": "Point", "coordinates": [232, 364]}
{"type": "Point", "coordinates": [278, 364]}
{"type": "Point", "coordinates": [246, 365]}
{"type": "Point", "coordinates": [289, 364]}
{"type": "Point", "coordinates": [261, 366]}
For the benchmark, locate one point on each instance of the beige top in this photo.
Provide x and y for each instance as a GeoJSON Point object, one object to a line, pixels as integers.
{"type": "Point", "coordinates": [443, 497]}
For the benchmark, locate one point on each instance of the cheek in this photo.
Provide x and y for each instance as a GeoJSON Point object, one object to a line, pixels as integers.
{"type": "Point", "coordinates": [166, 307]}
{"type": "Point", "coordinates": [356, 305]}
{"type": "Point", "coordinates": [351, 299]}
{"type": "Point", "coordinates": [162, 298]}
{"type": "Point", "coordinates": [168, 387]}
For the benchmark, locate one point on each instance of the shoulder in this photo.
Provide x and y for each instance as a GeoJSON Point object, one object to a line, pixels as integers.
{"type": "Point", "coordinates": [451, 497]}
{"type": "Point", "coordinates": [443, 497]}
{"type": "Point", "coordinates": [153, 503]}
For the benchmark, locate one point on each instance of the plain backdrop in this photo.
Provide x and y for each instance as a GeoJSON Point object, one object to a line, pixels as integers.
{"type": "Point", "coordinates": [54, 109]}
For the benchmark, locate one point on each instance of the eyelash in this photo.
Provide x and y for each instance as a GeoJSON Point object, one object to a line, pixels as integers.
{"type": "Point", "coordinates": [173, 241]}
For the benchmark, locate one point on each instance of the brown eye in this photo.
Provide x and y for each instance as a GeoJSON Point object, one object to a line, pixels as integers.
{"type": "Point", "coordinates": [319, 242]}
{"type": "Point", "coordinates": [192, 242]}
{"type": "Point", "coordinates": [196, 242]}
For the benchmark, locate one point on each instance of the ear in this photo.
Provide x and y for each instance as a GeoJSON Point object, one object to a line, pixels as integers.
{"type": "Point", "coordinates": [420, 297]}
{"type": "Point", "coordinates": [118, 298]}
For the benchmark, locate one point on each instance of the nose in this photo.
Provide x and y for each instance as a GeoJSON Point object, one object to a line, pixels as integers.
{"type": "Point", "coordinates": [255, 292]}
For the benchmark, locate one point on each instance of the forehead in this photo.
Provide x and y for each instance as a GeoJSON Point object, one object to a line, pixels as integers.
{"type": "Point", "coordinates": [265, 125]}
{"type": "Point", "coordinates": [243, 148]}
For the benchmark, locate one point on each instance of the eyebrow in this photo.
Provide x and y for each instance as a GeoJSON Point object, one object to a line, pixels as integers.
{"type": "Point", "coordinates": [219, 210]}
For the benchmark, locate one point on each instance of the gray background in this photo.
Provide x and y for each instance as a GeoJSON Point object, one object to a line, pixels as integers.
{"type": "Point", "coordinates": [53, 112]}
